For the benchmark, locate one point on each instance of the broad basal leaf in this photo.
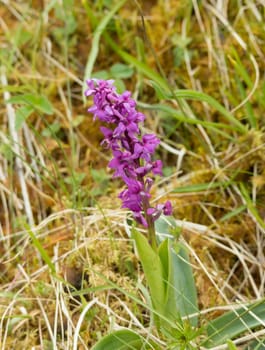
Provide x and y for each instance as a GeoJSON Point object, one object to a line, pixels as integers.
{"type": "Point", "coordinates": [233, 323]}
{"type": "Point", "coordinates": [123, 340]}
{"type": "Point", "coordinates": [181, 295]}
{"type": "Point", "coordinates": [153, 271]}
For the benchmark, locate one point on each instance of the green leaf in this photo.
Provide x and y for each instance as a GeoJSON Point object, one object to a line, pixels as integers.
{"type": "Point", "coordinates": [120, 85]}
{"type": "Point", "coordinates": [123, 340]}
{"type": "Point", "coordinates": [101, 74]}
{"type": "Point", "coordinates": [121, 71]}
{"type": "Point", "coordinates": [22, 114]}
{"type": "Point", "coordinates": [256, 345]}
{"type": "Point", "coordinates": [233, 323]}
{"type": "Point", "coordinates": [153, 271]}
{"type": "Point", "coordinates": [166, 227]}
{"type": "Point", "coordinates": [171, 308]}
{"type": "Point", "coordinates": [184, 284]}
{"type": "Point", "coordinates": [180, 291]}
{"type": "Point", "coordinates": [51, 130]}
{"type": "Point", "coordinates": [37, 102]}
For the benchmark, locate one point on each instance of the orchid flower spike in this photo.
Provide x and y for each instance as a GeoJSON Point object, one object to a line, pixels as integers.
{"type": "Point", "coordinates": [132, 151]}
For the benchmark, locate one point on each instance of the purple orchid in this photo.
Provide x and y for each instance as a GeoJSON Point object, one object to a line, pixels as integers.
{"type": "Point", "coordinates": [132, 152]}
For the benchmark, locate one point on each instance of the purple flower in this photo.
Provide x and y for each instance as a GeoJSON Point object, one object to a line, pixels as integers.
{"type": "Point", "coordinates": [132, 152]}
{"type": "Point", "coordinates": [150, 142]}
{"type": "Point", "coordinates": [167, 209]}
{"type": "Point", "coordinates": [157, 167]}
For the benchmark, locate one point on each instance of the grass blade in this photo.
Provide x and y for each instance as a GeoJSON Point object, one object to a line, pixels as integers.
{"type": "Point", "coordinates": [168, 110]}
{"type": "Point", "coordinates": [233, 213]}
{"type": "Point", "coordinates": [95, 42]}
{"type": "Point", "coordinates": [42, 251]}
{"type": "Point", "coordinates": [202, 97]}
{"type": "Point", "coordinates": [253, 210]}
{"type": "Point", "coordinates": [201, 187]}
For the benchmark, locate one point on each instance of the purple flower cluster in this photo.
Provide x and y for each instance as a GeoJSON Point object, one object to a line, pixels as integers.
{"type": "Point", "coordinates": [132, 152]}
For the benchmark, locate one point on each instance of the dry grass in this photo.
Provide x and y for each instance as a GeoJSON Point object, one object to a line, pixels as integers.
{"type": "Point", "coordinates": [62, 234]}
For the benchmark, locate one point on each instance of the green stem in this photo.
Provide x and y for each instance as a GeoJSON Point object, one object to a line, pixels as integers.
{"type": "Point", "coordinates": [151, 226]}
